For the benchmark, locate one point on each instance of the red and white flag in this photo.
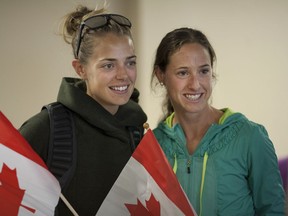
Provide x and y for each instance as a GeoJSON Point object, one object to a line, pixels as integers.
{"type": "Point", "coordinates": [147, 186]}
{"type": "Point", "coordinates": [27, 188]}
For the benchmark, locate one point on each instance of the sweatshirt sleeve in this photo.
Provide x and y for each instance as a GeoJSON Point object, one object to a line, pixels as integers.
{"type": "Point", "coordinates": [264, 176]}
{"type": "Point", "coordinates": [36, 131]}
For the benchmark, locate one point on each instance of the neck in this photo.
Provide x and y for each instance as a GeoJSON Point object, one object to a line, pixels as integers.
{"type": "Point", "coordinates": [195, 125]}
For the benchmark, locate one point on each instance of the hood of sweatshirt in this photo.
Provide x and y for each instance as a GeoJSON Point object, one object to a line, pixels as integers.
{"type": "Point", "coordinates": [216, 137]}
{"type": "Point", "coordinates": [72, 94]}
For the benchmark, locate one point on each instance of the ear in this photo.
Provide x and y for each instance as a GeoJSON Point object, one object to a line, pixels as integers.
{"type": "Point", "coordinates": [79, 69]}
{"type": "Point", "coordinates": [160, 75]}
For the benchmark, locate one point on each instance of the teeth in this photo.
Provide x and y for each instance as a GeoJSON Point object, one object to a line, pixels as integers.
{"type": "Point", "coordinates": [193, 97]}
{"type": "Point", "coordinates": [119, 88]}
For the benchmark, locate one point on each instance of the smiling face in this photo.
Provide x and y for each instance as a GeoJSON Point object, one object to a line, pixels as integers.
{"type": "Point", "coordinates": [110, 73]}
{"type": "Point", "coordinates": [188, 78]}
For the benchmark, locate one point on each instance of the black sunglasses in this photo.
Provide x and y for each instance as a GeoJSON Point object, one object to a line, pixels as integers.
{"type": "Point", "coordinates": [100, 21]}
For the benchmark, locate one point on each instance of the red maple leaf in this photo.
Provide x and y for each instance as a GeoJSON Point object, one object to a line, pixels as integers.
{"type": "Point", "coordinates": [10, 192]}
{"type": "Point", "coordinates": [152, 208]}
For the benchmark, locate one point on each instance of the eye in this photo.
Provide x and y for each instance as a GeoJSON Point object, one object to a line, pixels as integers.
{"type": "Point", "coordinates": [182, 73]}
{"type": "Point", "coordinates": [205, 71]}
{"type": "Point", "coordinates": [108, 66]}
{"type": "Point", "coordinates": [131, 63]}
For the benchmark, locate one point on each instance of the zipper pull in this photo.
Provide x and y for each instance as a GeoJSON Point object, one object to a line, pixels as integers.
{"type": "Point", "coordinates": [188, 166]}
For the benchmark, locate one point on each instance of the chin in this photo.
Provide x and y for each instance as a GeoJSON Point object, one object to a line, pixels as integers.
{"type": "Point", "coordinates": [122, 101]}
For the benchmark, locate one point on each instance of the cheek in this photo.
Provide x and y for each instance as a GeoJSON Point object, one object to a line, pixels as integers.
{"type": "Point", "coordinates": [93, 80]}
{"type": "Point", "coordinates": [132, 75]}
{"type": "Point", "coordinates": [89, 74]}
{"type": "Point", "coordinates": [209, 84]}
{"type": "Point", "coordinates": [205, 81]}
{"type": "Point", "coordinates": [174, 89]}
{"type": "Point", "coordinates": [175, 84]}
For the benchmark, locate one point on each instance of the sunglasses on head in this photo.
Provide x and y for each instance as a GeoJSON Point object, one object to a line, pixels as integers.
{"type": "Point", "coordinates": [100, 21]}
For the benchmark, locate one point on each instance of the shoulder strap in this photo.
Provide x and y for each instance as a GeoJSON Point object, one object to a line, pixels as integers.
{"type": "Point", "coordinates": [136, 134]}
{"type": "Point", "coordinates": [62, 144]}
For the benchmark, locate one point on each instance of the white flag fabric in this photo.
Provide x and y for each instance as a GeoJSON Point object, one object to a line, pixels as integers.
{"type": "Point", "coordinates": [147, 186]}
{"type": "Point", "coordinates": [27, 188]}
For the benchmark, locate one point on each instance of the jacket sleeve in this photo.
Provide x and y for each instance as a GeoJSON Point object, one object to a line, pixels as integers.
{"type": "Point", "coordinates": [36, 131]}
{"type": "Point", "coordinates": [264, 176]}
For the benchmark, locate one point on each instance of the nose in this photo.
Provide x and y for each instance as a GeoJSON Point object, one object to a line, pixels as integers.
{"type": "Point", "coordinates": [121, 73]}
{"type": "Point", "coordinates": [193, 82]}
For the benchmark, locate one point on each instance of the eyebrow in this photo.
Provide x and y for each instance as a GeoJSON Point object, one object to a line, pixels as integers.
{"type": "Point", "coordinates": [206, 65]}
{"type": "Point", "coordinates": [114, 59]}
{"type": "Point", "coordinates": [201, 66]}
{"type": "Point", "coordinates": [130, 57]}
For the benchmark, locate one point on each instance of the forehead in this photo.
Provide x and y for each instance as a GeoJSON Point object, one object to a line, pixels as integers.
{"type": "Point", "coordinates": [113, 46]}
{"type": "Point", "coordinates": [191, 51]}
{"type": "Point", "coordinates": [110, 37]}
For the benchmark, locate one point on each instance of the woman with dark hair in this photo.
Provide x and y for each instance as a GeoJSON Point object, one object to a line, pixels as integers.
{"type": "Point", "coordinates": [225, 163]}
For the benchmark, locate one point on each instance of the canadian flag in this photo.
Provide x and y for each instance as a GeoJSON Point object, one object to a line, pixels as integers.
{"type": "Point", "coordinates": [147, 186]}
{"type": "Point", "coordinates": [26, 186]}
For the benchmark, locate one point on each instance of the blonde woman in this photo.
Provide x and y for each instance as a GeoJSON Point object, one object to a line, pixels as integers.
{"type": "Point", "coordinates": [100, 105]}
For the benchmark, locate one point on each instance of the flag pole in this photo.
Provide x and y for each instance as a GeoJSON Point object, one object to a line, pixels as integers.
{"type": "Point", "coordinates": [146, 126]}
{"type": "Point", "coordinates": [68, 205]}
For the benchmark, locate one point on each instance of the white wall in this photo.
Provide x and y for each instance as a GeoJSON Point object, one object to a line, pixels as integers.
{"type": "Point", "coordinates": [249, 37]}
{"type": "Point", "coordinates": [250, 40]}
{"type": "Point", "coordinates": [33, 56]}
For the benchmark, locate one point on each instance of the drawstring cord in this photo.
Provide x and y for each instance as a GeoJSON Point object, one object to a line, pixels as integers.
{"type": "Point", "coordinates": [203, 180]}
{"type": "Point", "coordinates": [175, 166]}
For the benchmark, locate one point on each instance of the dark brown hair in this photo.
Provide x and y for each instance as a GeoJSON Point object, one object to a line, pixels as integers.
{"type": "Point", "coordinates": [171, 43]}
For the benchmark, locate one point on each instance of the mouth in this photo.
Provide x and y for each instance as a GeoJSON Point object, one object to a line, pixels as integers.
{"type": "Point", "coordinates": [193, 97]}
{"type": "Point", "coordinates": [119, 88]}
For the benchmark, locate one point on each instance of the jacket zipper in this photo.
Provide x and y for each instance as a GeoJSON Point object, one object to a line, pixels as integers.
{"type": "Point", "coordinates": [188, 165]}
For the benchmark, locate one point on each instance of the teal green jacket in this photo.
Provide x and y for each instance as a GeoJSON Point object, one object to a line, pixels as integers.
{"type": "Point", "coordinates": [233, 171]}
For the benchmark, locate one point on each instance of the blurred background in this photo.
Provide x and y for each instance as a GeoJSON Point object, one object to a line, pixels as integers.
{"type": "Point", "coordinates": [249, 37]}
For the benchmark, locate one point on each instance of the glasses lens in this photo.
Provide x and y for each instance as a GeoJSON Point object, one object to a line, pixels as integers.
{"type": "Point", "coordinates": [121, 20]}
{"type": "Point", "coordinates": [96, 22]}
{"type": "Point", "coordinates": [100, 21]}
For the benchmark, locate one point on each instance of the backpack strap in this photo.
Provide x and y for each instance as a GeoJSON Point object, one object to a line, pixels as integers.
{"type": "Point", "coordinates": [136, 134]}
{"type": "Point", "coordinates": [61, 160]}
{"type": "Point", "coordinates": [62, 144]}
